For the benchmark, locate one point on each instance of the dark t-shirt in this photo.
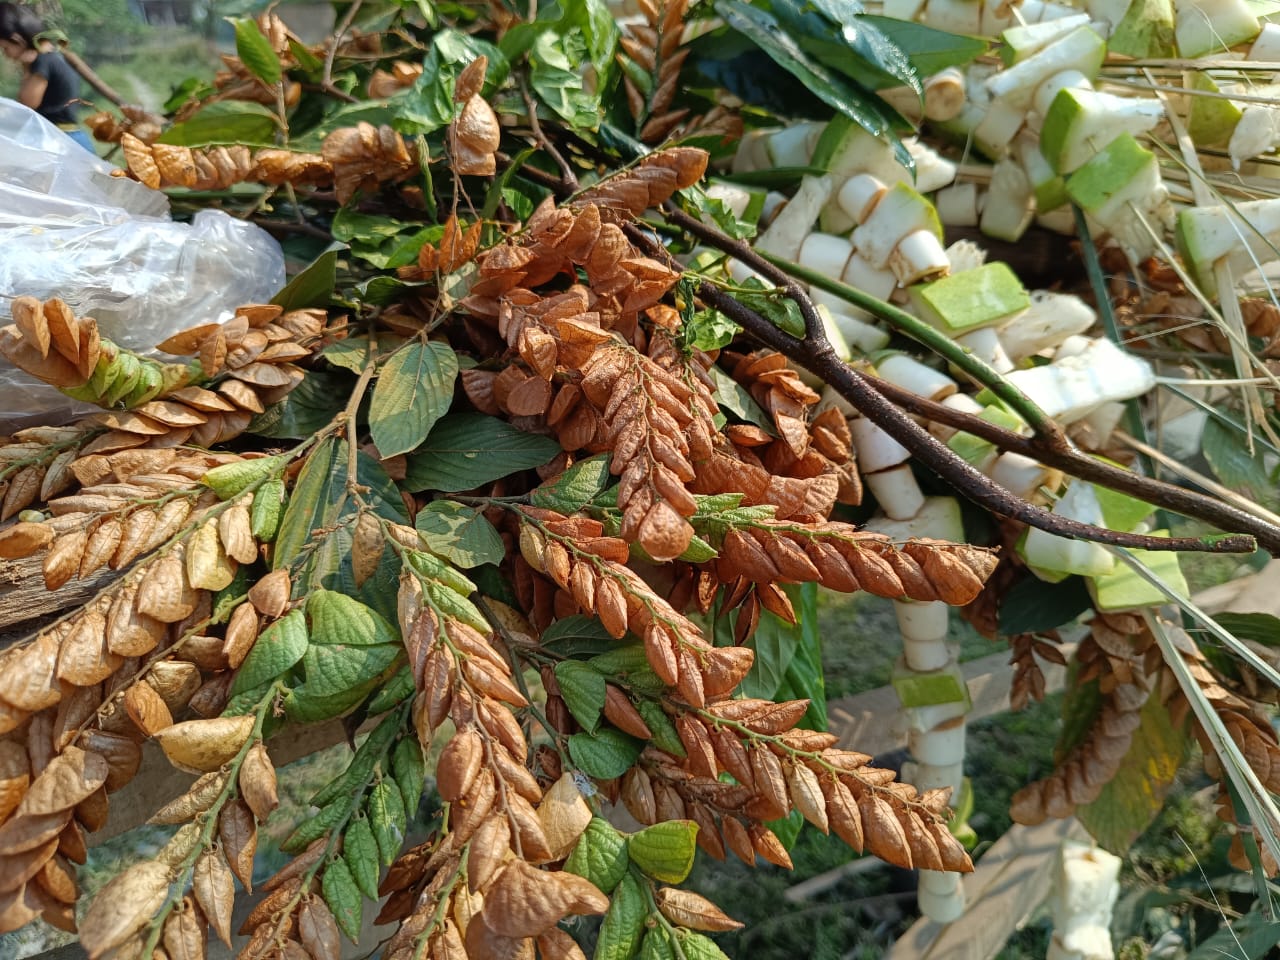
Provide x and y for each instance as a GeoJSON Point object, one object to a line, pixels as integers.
{"type": "Point", "coordinates": [64, 86]}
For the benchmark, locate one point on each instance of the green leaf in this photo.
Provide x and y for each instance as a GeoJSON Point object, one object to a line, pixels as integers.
{"type": "Point", "coordinates": [709, 330]}
{"type": "Point", "coordinates": [303, 705]}
{"type": "Point", "coordinates": [1232, 462]}
{"type": "Point", "coordinates": [459, 533]}
{"type": "Point", "coordinates": [414, 389]}
{"type": "Point", "coordinates": [225, 122]}
{"type": "Point", "coordinates": [255, 51]}
{"type": "Point", "coordinates": [398, 689]}
{"type": "Point", "coordinates": [1133, 797]}
{"type": "Point", "coordinates": [343, 897]}
{"type": "Point", "coordinates": [268, 504]}
{"type": "Point", "coordinates": [308, 62]}
{"type": "Point", "coordinates": [349, 224]}
{"type": "Point", "coordinates": [596, 22]}
{"type": "Point", "coordinates": [665, 736]}
{"type": "Point", "coordinates": [312, 828]}
{"type": "Point", "coordinates": [387, 818]}
{"type": "Point", "coordinates": [410, 771]}
{"type": "Point", "coordinates": [465, 450]}
{"type": "Point", "coordinates": [429, 103]}
{"type": "Point", "coordinates": [1252, 935]}
{"type": "Point", "coordinates": [665, 850]}
{"type": "Point", "coordinates": [734, 397]}
{"type": "Point", "coordinates": [657, 945]}
{"type": "Point", "coordinates": [558, 76]}
{"type": "Point", "coordinates": [360, 851]}
{"type": "Point", "coordinates": [775, 643]}
{"type": "Point", "coordinates": [578, 635]}
{"type": "Point", "coordinates": [338, 619]}
{"type": "Point", "coordinates": [278, 648]}
{"type": "Point", "coordinates": [311, 405]}
{"type": "Point", "coordinates": [833, 90]}
{"type": "Point", "coordinates": [575, 488]}
{"type": "Point", "coordinates": [350, 354]}
{"type": "Point", "coordinates": [358, 771]}
{"type": "Point", "coordinates": [1033, 606]}
{"type": "Point", "coordinates": [624, 924]}
{"type": "Point", "coordinates": [855, 48]}
{"type": "Point", "coordinates": [583, 690]}
{"type": "Point", "coordinates": [333, 670]}
{"type": "Point", "coordinates": [1261, 628]}
{"type": "Point", "coordinates": [600, 855]}
{"type": "Point", "coordinates": [774, 305]}
{"type": "Point", "coordinates": [313, 287]}
{"type": "Point", "coordinates": [605, 755]}
{"type": "Point", "coordinates": [695, 946]}
{"type": "Point", "coordinates": [805, 678]}
{"type": "Point", "coordinates": [928, 49]}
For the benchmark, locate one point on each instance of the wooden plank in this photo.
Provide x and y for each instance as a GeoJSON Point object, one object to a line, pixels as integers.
{"type": "Point", "coordinates": [1013, 877]}
{"type": "Point", "coordinates": [158, 782]}
{"type": "Point", "coordinates": [23, 597]}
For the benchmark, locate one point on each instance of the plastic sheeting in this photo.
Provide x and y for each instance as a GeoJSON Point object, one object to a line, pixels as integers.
{"type": "Point", "coordinates": [105, 245]}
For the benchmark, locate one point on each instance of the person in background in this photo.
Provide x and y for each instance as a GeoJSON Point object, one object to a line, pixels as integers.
{"type": "Point", "coordinates": [49, 84]}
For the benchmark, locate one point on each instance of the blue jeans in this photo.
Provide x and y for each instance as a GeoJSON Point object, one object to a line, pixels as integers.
{"type": "Point", "coordinates": [81, 136]}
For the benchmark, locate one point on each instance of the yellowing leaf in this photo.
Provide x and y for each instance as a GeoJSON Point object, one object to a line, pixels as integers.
{"type": "Point", "coordinates": [203, 745]}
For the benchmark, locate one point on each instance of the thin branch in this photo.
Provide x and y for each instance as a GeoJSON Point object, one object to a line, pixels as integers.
{"type": "Point", "coordinates": [1156, 492]}
{"type": "Point", "coordinates": [568, 178]}
{"type": "Point", "coordinates": [326, 81]}
{"type": "Point", "coordinates": [917, 329]}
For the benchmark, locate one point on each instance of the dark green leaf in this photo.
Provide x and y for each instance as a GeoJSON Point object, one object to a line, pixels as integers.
{"type": "Point", "coordinates": [358, 771]}
{"type": "Point", "coordinates": [805, 679]}
{"type": "Point", "coordinates": [303, 705]}
{"type": "Point", "coordinates": [1261, 628]}
{"type": "Point", "coordinates": [320, 502]}
{"type": "Point", "coordinates": [397, 690]}
{"type": "Point", "coordinates": [1247, 937]}
{"type": "Point", "coordinates": [228, 121]}
{"type": "Point", "coordinates": [277, 649]}
{"type": "Point", "coordinates": [624, 924]}
{"type": "Point", "coordinates": [1033, 606]}
{"type": "Point", "coordinates": [1232, 461]}
{"type": "Point", "coordinates": [312, 404]}
{"type": "Point", "coordinates": [308, 62]}
{"type": "Point", "coordinates": [343, 897]}
{"type": "Point", "coordinates": [665, 735]}
{"type": "Point", "coordinates": [709, 330]}
{"type": "Point", "coordinates": [577, 635]}
{"type": "Point", "coordinates": [339, 619]}
{"type": "Point", "coordinates": [387, 819]}
{"type": "Point", "coordinates": [465, 450]}
{"type": "Point", "coordinates": [334, 669]}
{"type": "Point", "coordinates": [349, 224]}
{"type": "Point", "coordinates": [855, 48]}
{"type": "Point", "coordinates": [775, 643]}
{"type": "Point", "coordinates": [313, 287]}
{"type": "Point", "coordinates": [695, 946]}
{"type": "Point", "coordinates": [410, 772]}
{"type": "Point", "coordinates": [414, 389]}
{"type": "Point", "coordinates": [459, 533]}
{"type": "Point", "coordinates": [735, 398]}
{"type": "Point", "coordinates": [312, 828]}
{"type": "Point", "coordinates": [657, 945]}
{"type": "Point", "coordinates": [775, 178]}
{"type": "Point", "coordinates": [665, 850]}
{"type": "Point", "coordinates": [255, 51]}
{"type": "Point", "coordinates": [583, 690]}
{"type": "Point", "coordinates": [575, 488]}
{"type": "Point", "coordinates": [608, 754]}
{"type": "Point", "coordinates": [360, 851]}
{"type": "Point", "coordinates": [774, 305]}
{"type": "Point", "coordinates": [929, 50]}
{"type": "Point", "coordinates": [829, 87]}
{"type": "Point", "coordinates": [600, 855]}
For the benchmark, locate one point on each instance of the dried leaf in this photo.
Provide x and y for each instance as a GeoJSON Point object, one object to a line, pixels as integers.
{"type": "Point", "coordinates": [199, 746]}
{"type": "Point", "coordinates": [215, 892]}
{"type": "Point", "coordinates": [147, 709]}
{"type": "Point", "coordinates": [123, 906]}
{"type": "Point", "coordinates": [239, 836]}
{"type": "Point", "coordinates": [525, 901]}
{"type": "Point", "coordinates": [319, 931]}
{"type": "Point", "coordinates": [688, 909]}
{"type": "Point", "coordinates": [258, 782]}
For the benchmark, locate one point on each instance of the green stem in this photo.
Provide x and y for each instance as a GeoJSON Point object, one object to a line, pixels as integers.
{"type": "Point", "coordinates": [935, 340]}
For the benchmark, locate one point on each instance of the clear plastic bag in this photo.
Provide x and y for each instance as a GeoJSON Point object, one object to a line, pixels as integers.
{"type": "Point", "coordinates": [106, 246]}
